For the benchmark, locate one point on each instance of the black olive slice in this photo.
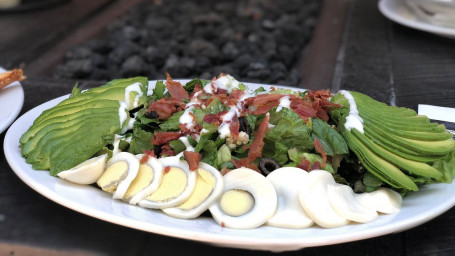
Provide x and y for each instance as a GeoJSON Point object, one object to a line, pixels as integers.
{"type": "Point", "coordinates": [244, 126]}
{"type": "Point", "coordinates": [268, 165]}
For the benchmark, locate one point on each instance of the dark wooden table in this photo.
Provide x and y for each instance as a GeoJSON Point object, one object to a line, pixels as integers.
{"type": "Point", "coordinates": [354, 48]}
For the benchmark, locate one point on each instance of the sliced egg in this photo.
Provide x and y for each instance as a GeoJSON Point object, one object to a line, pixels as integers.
{"type": "Point", "coordinates": [289, 214]}
{"type": "Point", "coordinates": [248, 200]}
{"type": "Point", "coordinates": [383, 200]}
{"type": "Point", "coordinates": [343, 200]}
{"type": "Point", "coordinates": [121, 170]}
{"type": "Point", "coordinates": [209, 185]}
{"type": "Point", "coordinates": [87, 172]}
{"type": "Point", "coordinates": [176, 186]}
{"type": "Point", "coordinates": [314, 200]}
{"type": "Point", "coordinates": [147, 180]}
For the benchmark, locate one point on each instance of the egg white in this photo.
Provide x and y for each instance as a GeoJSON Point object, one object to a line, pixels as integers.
{"type": "Point", "coordinates": [199, 209]}
{"type": "Point", "coordinates": [265, 199]}
{"type": "Point", "coordinates": [191, 177]}
{"type": "Point", "coordinates": [87, 172]}
{"type": "Point", "coordinates": [289, 214]}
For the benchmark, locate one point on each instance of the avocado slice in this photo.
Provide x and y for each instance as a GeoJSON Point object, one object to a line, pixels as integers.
{"type": "Point", "coordinates": [413, 167]}
{"type": "Point", "coordinates": [103, 91]}
{"type": "Point", "coordinates": [409, 133]}
{"type": "Point", "coordinates": [66, 114]}
{"type": "Point", "coordinates": [69, 155]}
{"type": "Point", "coordinates": [75, 129]}
{"type": "Point", "coordinates": [64, 122]}
{"type": "Point", "coordinates": [379, 167]}
{"type": "Point", "coordinates": [74, 135]}
{"type": "Point", "coordinates": [394, 136]}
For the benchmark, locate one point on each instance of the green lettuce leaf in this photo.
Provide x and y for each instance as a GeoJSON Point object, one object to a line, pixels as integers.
{"type": "Point", "coordinates": [296, 156]}
{"type": "Point", "coordinates": [332, 142]}
{"type": "Point", "coordinates": [290, 130]}
{"type": "Point", "coordinates": [447, 167]}
{"type": "Point", "coordinates": [140, 141]}
{"type": "Point", "coordinates": [159, 89]}
{"type": "Point", "coordinates": [172, 123]}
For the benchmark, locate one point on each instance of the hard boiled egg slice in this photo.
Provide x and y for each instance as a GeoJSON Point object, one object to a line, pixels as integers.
{"type": "Point", "coordinates": [289, 214]}
{"type": "Point", "coordinates": [343, 200]}
{"type": "Point", "coordinates": [87, 172]}
{"type": "Point", "coordinates": [176, 186]}
{"type": "Point", "coordinates": [147, 180]}
{"type": "Point", "coordinates": [383, 200]}
{"type": "Point", "coordinates": [120, 172]}
{"type": "Point", "coordinates": [248, 200]}
{"type": "Point", "coordinates": [209, 185]}
{"type": "Point", "coordinates": [314, 199]}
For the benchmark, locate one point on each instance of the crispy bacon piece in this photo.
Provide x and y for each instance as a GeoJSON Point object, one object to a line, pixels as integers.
{"type": "Point", "coordinates": [197, 88]}
{"type": "Point", "coordinates": [234, 127]}
{"type": "Point", "coordinates": [304, 164]}
{"type": "Point", "coordinates": [166, 150]}
{"type": "Point", "coordinates": [193, 159]}
{"type": "Point", "coordinates": [260, 110]}
{"type": "Point", "coordinates": [160, 138]}
{"type": "Point", "coordinates": [147, 153]}
{"type": "Point", "coordinates": [12, 76]}
{"type": "Point", "coordinates": [214, 119]}
{"type": "Point", "coordinates": [257, 145]}
{"type": "Point", "coordinates": [165, 107]}
{"type": "Point", "coordinates": [176, 89]}
{"type": "Point", "coordinates": [264, 99]}
{"type": "Point", "coordinates": [304, 109]}
{"type": "Point", "coordinates": [320, 150]}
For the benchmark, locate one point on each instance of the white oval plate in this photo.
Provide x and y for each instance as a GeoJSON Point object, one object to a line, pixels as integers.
{"type": "Point", "coordinates": [424, 205]}
{"type": "Point", "coordinates": [397, 11]}
{"type": "Point", "coordinates": [11, 101]}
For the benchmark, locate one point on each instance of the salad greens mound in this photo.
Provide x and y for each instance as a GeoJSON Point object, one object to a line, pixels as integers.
{"type": "Point", "coordinates": [228, 126]}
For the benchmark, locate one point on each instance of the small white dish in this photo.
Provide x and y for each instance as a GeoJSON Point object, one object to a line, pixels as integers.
{"type": "Point", "coordinates": [399, 12]}
{"type": "Point", "coordinates": [419, 207]}
{"type": "Point", "coordinates": [11, 101]}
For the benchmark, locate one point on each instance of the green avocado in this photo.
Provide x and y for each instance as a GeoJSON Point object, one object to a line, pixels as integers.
{"type": "Point", "coordinates": [394, 136]}
{"type": "Point", "coordinates": [105, 91]}
{"type": "Point", "coordinates": [66, 114]}
{"type": "Point", "coordinates": [75, 129]}
{"type": "Point", "coordinates": [75, 135]}
{"type": "Point", "coordinates": [66, 121]}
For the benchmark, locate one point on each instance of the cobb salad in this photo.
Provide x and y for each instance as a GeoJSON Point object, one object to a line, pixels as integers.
{"type": "Point", "coordinates": [251, 158]}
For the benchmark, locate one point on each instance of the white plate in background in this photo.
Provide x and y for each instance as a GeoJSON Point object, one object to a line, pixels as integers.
{"type": "Point", "coordinates": [397, 11]}
{"type": "Point", "coordinates": [419, 207]}
{"type": "Point", "coordinates": [11, 101]}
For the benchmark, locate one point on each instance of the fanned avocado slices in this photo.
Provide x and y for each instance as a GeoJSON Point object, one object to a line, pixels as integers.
{"type": "Point", "coordinates": [74, 130]}
{"type": "Point", "coordinates": [397, 145]}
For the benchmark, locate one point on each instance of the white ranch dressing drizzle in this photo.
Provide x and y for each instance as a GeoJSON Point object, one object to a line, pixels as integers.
{"type": "Point", "coordinates": [284, 103]}
{"type": "Point", "coordinates": [136, 87]}
{"type": "Point", "coordinates": [186, 118]}
{"type": "Point", "coordinates": [123, 116]}
{"type": "Point", "coordinates": [187, 144]}
{"type": "Point", "coordinates": [224, 129]}
{"type": "Point", "coordinates": [117, 139]}
{"type": "Point", "coordinates": [353, 120]}
{"type": "Point", "coordinates": [226, 82]}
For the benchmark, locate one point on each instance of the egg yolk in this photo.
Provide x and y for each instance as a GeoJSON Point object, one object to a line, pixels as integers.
{"type": "Point", "coordinates": [112, 176]}
{"type": "Point", "coordinates": [205, 183]}
{"type": "Point", "coordinates": [172, 185]}
{"type": "Point", "coordinates": [143, 178]}
{"type": "Point", "coordinates": [236, 202]}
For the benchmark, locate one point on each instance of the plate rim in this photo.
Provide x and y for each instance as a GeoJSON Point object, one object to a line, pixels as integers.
{"type": "Point", "coordinates": [18, 93]}
{"type": "Point", "coordinates": [392, 14]}
{"type": "Point", "coordinates": [220, 239]}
